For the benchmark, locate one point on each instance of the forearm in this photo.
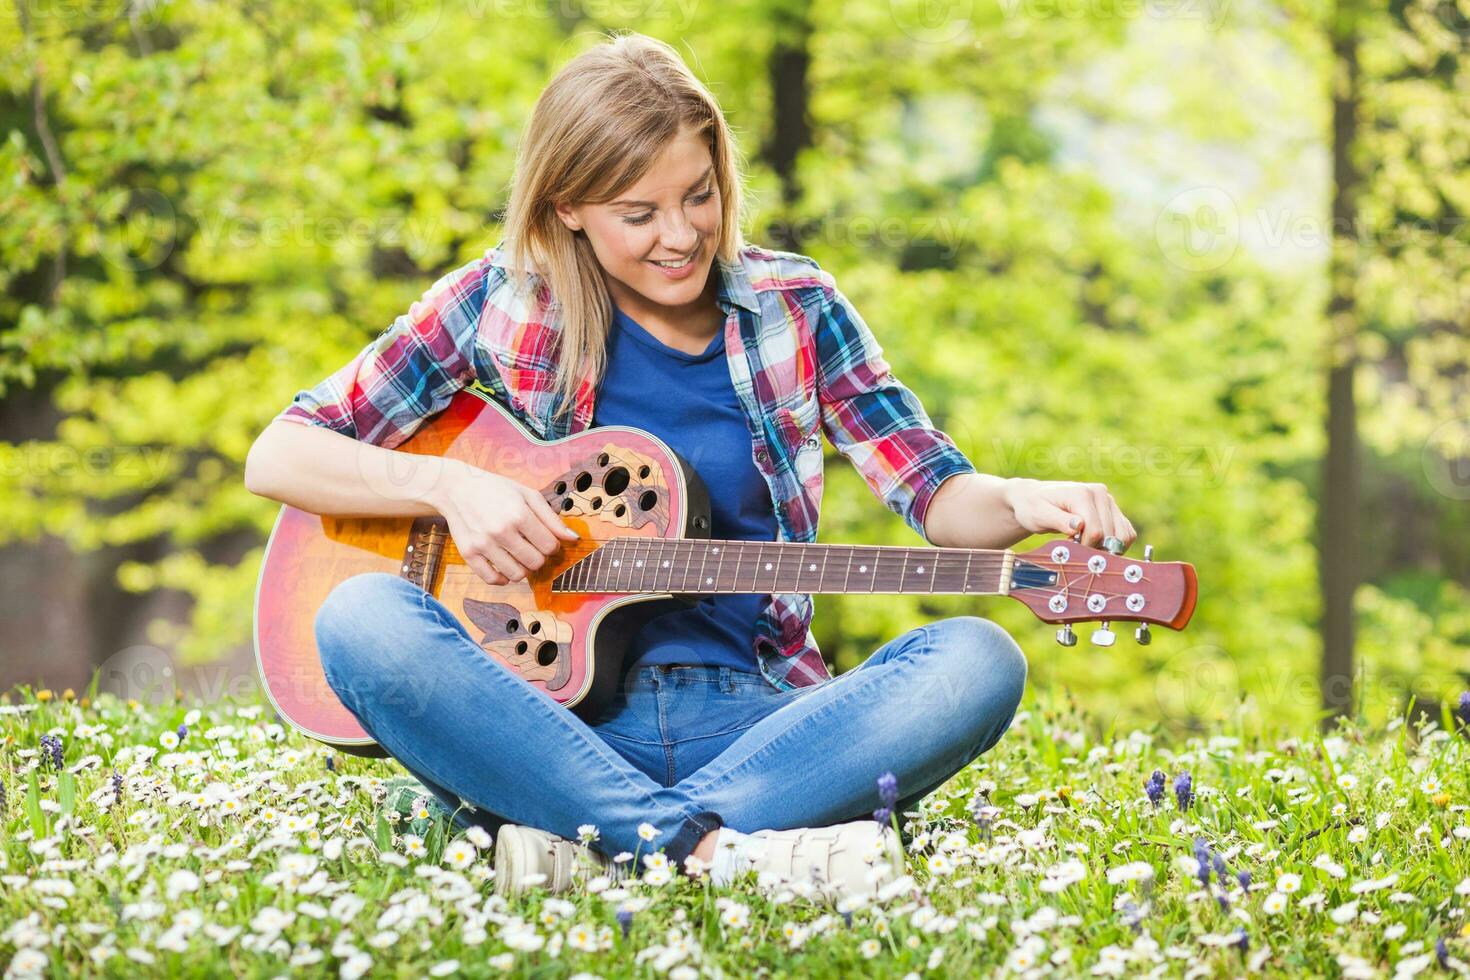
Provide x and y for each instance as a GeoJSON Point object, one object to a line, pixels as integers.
{"type": "Point", "coordinates": [325, 472]}
{"type": "Point", "coordinates": [973, 510]}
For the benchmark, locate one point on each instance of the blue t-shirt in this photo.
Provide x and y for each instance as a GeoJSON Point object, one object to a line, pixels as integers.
{"type": "Point", "coordinates": [689, 402]}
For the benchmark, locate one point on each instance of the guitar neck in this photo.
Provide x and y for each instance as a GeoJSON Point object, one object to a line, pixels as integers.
{"type": "Point", "coordinates": [703, 566]}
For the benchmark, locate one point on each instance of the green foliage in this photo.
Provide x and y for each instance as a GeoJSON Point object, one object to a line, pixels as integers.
{"type": "Point", "coordinates": [240, 196]}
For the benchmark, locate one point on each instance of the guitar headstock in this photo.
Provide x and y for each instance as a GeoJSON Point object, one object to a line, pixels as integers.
{"type": "Point", "coordinates": [1066, 582]}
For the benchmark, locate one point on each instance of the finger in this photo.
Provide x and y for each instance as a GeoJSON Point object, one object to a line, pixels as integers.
{"type": "Point", "coordinates": [1086, 508]}
{"type": "Point", "coordinates": [1054, 518]}
{"type": "Point", "coordinates": [526, 554]}
{"type": "Point", "coordinates": [485, 570]}
{"type": "Point", "coordinates": [1103, 501]}
{"type": "Point", "coordinates": [505, 563]}
{"type": "Point", "coordinates": [540, 536]}
{"type": "Point", "coordinates": [549, 517]}
{"type": "Point", "coordinates": [1125, 527]}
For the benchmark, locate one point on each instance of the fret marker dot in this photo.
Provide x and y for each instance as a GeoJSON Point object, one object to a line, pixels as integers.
{"type": "Point", "coordinates": [639, 563]}
{"type": "Point", "coordinates": [616, 563]}
{"type": "Point", "coordinates": [666, 563]}
{"type": "Point", "coordinates": [768, 566]}
{"type": "Point", "coordinates": [708, 580]}
{"type": "Point", "coordinates": [920, 569]}
{"type": "Point", "coordinates": [862, 568]}
{"type": "Point", "coordinates": [714, 551]}
{"type": "Point", "coordinates": [811, 568]}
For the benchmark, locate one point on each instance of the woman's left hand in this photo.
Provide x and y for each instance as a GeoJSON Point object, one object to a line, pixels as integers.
{"type": "Point", "coordinates": [1066, 507]}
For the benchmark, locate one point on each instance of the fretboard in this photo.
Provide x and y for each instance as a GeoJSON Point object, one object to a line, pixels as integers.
{"type": "Point", "coordinates": [639, 564]}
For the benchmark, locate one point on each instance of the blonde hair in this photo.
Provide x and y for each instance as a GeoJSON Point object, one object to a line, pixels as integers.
{"type": "Point", "coordinates": [596, 129]}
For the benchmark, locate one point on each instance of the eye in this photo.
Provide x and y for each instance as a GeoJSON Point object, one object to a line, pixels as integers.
{"type": "Point", "coordinates": [702, 198]}
{"type": "Point", "coordinates": [641, 219]}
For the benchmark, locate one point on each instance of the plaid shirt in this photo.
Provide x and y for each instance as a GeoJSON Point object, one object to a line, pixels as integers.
{"type": "Point", "coordinates": [802, 360]}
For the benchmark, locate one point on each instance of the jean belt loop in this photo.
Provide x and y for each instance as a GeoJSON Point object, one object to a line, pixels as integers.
{"type": "Point", "coordinates": [727, 680]}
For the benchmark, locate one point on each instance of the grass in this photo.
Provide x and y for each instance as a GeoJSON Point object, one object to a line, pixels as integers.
{"type": "Point", "coordinates": [245, 849]}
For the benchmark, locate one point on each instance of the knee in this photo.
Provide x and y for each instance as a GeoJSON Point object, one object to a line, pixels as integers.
{"type": "Point", "coordinates": [352, 620]}
{"type": "Point", "coordinates": [986, 653]}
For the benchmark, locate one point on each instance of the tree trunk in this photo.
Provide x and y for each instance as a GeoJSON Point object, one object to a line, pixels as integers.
{"type": "Point", "coordinates": [1337, 527]}
{"type": "Point", "coordinates": [791, 130]}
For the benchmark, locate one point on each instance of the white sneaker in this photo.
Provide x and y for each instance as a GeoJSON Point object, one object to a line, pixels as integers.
{"type": "Point", "coordinates": [526, 857]}
{"type": "Point", "coordinates": [845, 859]}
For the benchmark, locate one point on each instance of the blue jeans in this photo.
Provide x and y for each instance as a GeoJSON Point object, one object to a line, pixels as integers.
{"type": "Point", "coordinates": [687, 749]}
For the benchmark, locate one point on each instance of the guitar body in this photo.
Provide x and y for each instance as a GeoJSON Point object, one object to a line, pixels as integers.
{"type": "Point", "coordinates": [606, 482]}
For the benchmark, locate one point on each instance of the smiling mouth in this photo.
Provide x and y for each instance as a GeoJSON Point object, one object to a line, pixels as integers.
{"type": "Point", "coordinates": [675, 263]}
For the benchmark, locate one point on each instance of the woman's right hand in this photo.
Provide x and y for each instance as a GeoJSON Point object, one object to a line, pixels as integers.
{"type": "Point", "coordinates": [503, 529]}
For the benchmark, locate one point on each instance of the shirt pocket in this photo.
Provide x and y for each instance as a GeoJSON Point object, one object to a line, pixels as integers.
{"type": "Point", "coordinates": [799, 425]}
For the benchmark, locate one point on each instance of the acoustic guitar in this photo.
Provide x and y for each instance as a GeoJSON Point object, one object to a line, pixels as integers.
{"type": "Point", "coordinates": [644, 519]}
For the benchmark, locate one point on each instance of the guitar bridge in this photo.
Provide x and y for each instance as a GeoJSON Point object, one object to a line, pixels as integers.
{"type": "Point", "coordinates": [424, 551]}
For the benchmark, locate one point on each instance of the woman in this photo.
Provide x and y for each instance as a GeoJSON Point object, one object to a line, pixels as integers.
{"type": "Point", "coordinates": [623, 294]}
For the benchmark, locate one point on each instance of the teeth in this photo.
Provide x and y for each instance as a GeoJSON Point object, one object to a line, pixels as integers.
{"type": "Point", "coordinates": [678, 264]}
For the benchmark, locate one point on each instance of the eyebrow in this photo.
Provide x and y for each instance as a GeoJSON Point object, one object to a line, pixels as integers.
{"type": "Point", "coordinates": [649, 204]}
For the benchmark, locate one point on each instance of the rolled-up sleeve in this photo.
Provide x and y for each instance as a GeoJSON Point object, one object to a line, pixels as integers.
{"type": "Point", "coordinates": [873, 419]}
{"type": "Point", "coordinates": [410, 371]}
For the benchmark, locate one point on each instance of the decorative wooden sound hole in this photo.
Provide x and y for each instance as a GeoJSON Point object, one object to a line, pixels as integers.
{"type": "Point", "coordinates": [618, 486]}
{"type": "Point", "coordinates": [534, 644]}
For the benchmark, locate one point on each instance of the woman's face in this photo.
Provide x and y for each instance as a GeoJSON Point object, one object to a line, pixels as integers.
{"type": "Point", "coordinates": [656, 241]}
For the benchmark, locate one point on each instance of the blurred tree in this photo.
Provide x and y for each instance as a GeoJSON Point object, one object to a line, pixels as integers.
{"type": "Point", "coordinates": [205, 208]}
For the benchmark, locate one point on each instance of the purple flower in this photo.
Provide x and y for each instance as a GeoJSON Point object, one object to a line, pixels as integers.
{"type": "Point", "coordinates": [1202, 855]}
{"type": "Point", "coordinates": [625, 920]}
{"type": "Point", "coordinates": [1154, 786]}
{"type": "Point", "coordinates": [1244, 877]}
{"type": "Point", "coordinates": [331, 763]}
{"type": "Point", "coordinates": [1242, 940]}
{"type": "Point", "coordinates": [888, 789]}
{"type": "Point", "coordinates": [183, 732]}
{"type": "Point", "coordinates": [1132, 915]}
{"type": "Point", "coordinates": [2, 799]}
{"type": "Point", "coordinates": [117, 787]}
{"type": "Point", "coordinates": [887, 796]}
{"type": "Point", "coordinates": [1184, 789]}
{"type": "Point", "coordinates": [1441, 950]}
{"type": "Point", "coordinates": [1465, 707]}
{"type": "Point", "coordinates": [51, 750]}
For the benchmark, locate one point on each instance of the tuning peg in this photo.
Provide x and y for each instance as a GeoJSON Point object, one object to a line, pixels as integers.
{"type": "Point", "coordinates": [1066, 637]}
{"type": "Point", "coordinates": [1112, 544]}
{"type": "Point", "coordinates": [1148, 552]}
{"type": "Point", "coordinates": [1102, 636]}
{"type": "Point", "coordinates": [1142, 635]}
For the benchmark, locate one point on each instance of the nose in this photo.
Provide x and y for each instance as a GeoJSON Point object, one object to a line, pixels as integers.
{"type": "Point", "coordinates": [676, 233]}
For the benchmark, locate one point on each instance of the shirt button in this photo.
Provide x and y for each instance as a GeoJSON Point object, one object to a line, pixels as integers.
{"type": "Point", "coordinates": [762, 456]}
